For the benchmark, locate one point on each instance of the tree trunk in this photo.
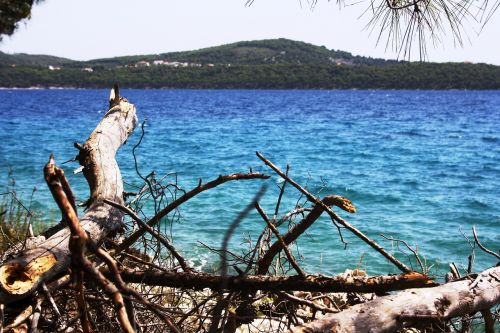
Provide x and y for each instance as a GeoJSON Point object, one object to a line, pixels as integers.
{"type": "Point", "coordinates": [22, 275]}
{"type": "Point", "coordinates": [414, 306]}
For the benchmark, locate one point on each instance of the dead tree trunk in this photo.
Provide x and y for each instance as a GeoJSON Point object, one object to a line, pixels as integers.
{"type": "Point", "coordinates": [414, 306]}
{"type": "Point", "coordinates": [22, 275]}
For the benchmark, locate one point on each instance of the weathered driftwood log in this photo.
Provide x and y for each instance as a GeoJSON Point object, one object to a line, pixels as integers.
{"type": "Point", "coordinates": [414, 306]}
{"type": "Point", "coordinates": [22, 275]}
{"type": "Point", "coordinates": [195, 280]}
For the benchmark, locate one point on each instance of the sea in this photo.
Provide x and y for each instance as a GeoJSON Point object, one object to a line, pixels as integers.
{"type": "Point", "coordinates": [420, 166]}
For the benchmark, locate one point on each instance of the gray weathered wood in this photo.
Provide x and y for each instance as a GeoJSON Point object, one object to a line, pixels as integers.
{"type": "Point", "coordinates": [393, 312]}
{"type": "Point", "coordinates": [21, 276]}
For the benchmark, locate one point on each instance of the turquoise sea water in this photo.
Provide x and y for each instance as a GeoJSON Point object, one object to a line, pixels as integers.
{"type": "Point", "coordinates": [418, 165]}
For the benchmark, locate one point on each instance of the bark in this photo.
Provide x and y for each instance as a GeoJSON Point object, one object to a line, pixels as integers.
{"type": "Point", "coordinates": [188, 195]}
{"type": "Point", "coordinates": [301, 227]}
{"type": "Point", "coordinates": [335, 217]}
{"type": "Point", "coordinates": [194, 280]}
{"type": "Point", "coordinates": [414, 306]}
{"type": "Point", "coordinates": [22, 275]}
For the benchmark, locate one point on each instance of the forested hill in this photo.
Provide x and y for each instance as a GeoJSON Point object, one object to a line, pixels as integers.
{"type": "Point", "coordinates": [21, 59]}
{"type": "Point", "coordinates": [275, 63]}
{"type": "Point", "coordinates": [270, 51]}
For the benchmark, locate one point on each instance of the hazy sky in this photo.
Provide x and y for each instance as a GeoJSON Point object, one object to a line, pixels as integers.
{"type": "Point", "coordinates": [88, 29]}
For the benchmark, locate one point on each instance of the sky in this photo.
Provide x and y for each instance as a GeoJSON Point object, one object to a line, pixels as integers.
{"type": "Point", "coordinates": [90, 29]}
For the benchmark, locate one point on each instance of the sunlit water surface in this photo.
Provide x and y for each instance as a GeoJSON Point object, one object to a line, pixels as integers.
{"type": "Point", "coordinates": [418, 165]}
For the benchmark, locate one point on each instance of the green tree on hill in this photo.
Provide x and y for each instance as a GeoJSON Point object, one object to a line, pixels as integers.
{"type": "Point", "coordinates": [12, 12]}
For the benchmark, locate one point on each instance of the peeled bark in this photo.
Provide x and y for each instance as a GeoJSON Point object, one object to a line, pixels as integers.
{"type": "Point", "coordinates": [195, 280]}
{"type": "Point", "coordinates": [21, 276]}
{"type": "Point", "coordinates": [414, 306]}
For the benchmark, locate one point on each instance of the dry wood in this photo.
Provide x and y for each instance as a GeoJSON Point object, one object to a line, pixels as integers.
{"type": "Point", "coordinates": [335, 217]}
{"type": "Point", "coordinates": [151, 231]}
{"type": "Point", "coordinates": [164, 300]}
{"type": "Point", "coordinates": [281, 241]}
{"type": "Point", "coordinates": [35, 317]}
{"type": "Point", "coordinates": [414, 306]}
{"type": "Point", "coordinates": [22, 275]}
{"type": "Point", "coordinates": [481, 246]}
{"type": "Point", "coordinates": [197, 280]}
{"type": "Point", "coordinates": [188, 195]}
{"type": "Point", "coordinates": [61, 191]}
{"type": "Point", "coordinates": [310, 304]}
{"type": "Point", "coordinates": [117, 279]}
{"type": "Point", "coordinates": [1, 317]}
{"type": "Point", "coordinates": [301, 227]}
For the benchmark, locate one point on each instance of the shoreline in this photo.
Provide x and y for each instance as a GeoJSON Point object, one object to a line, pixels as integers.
{"type": "Point", "coordinates": [251, 89]}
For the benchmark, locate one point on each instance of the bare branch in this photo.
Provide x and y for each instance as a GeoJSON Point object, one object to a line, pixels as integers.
{"type": "Point", "coordinates": [481, 246]}
{"type": "Point", "coordinates": [200, 280]}
{"type": "Point", "coordinates": [337, 218]}
{"type": "Point", "coordinates": [290, 257]}
{"type": "Point", "coordinates": [150, 230]}
{"type": "Point", "coordinates": [188, 195]}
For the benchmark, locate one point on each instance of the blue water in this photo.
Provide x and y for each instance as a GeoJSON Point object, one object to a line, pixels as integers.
{"type": "Point", "coordinates": [418, 165]}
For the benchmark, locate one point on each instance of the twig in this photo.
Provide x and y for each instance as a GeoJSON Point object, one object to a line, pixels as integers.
{"type": "Point", "coordinates": [67, 188]}
{"type": "Point", "coordinates": [266, 260]}
{"type": "Point", "coordinates": [1, 317]}
{"type": "Point", "coordinates": [415, 252]}
{"type": "Point", "coordinates": [221, 304]}
{"type": "Point", "coordinates": [188, 195]}
{"type": "Point", "coordinates": [79, 261]}
{"type": "Point", "coordinates": [297, 211]}
{"type": "Point", "coordinates": [472, 255]}
{"type": "Point", "coordinates": [337, 218]}
{"type": "Point", "coordinates": [113, 267]}
{"type": "Point", "coordinates": [481, 246]}
{"type": "Point", "coordinates": [291, 259]}
{"type": "Point", "coordinates": [78, 238]}
{"type": "Point", "coordinates": [21, 318]}
{"type": "Point", "coordinates": [310, 304]}
{"type": "Point", "coordinates": [159, 237]}
{"type": "Point", "coordinates": [454, 271]}
{"type": "Point", "coordinates": [339, 230]}
{"type": "Point", "coordinates": [36, 316]}
{"type": "Point", "coordinates": [51, 301]}
{"type": "Point", "coordinates": [144, 262]}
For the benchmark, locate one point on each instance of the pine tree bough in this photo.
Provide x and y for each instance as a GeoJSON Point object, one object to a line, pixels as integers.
{"type": "Point", "coordinates": [21, 276]}
{"type": "Point", "coordinates": [414, 306]}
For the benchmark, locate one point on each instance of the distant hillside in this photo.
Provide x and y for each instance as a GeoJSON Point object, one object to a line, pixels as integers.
{"type": "Point", "coordinates": [271, 51]}
{"type": "Point", "coordinates": [261, 52]}
{"type": "Point", "coordinates": [265, 64]}
{"type": "Point", "coordinates": [32, 60]}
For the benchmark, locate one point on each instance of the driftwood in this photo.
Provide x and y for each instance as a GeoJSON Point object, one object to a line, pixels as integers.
{"type": "Point", "coordinates": [154, 288]}
{"type": "Point", "coordinates": [414, 307]}
{"type": "Point", "coordinates": [22, 275]}
{"type": "Point", "coordinates": [195, 280]}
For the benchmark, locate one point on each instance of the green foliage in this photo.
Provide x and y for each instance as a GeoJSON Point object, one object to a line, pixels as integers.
{"type": "Point", "coordinates": [397, 76]}
{"type": "Point", "coordinates": [260, 52]}
{"type": "Point", "coordinates": [266, 64]}
{"type": "Point", "coordinates": [11, 12]}
{"type": "Point", "coordinates": [32, 60]}
{"type": "Point", "coordinates": [16, 217]}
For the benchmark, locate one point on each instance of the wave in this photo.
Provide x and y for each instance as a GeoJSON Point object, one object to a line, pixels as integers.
{"type": "Point", "coordinates": [413, 133]}
{"type": "Point", "coordinates": [492, 139]}
{"type": "Point", "coordinates": [477, 204]}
